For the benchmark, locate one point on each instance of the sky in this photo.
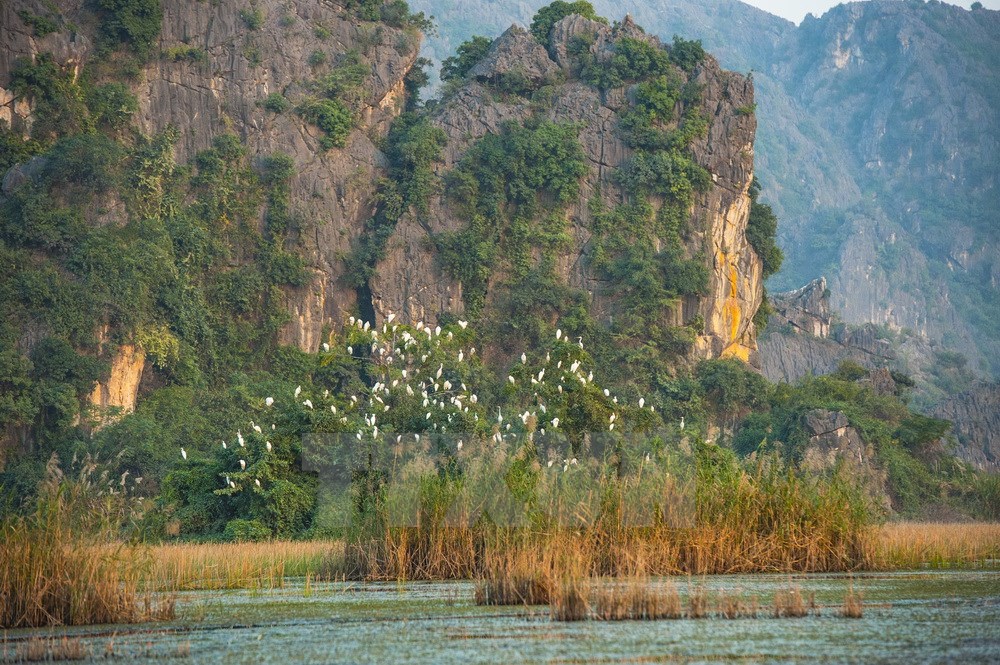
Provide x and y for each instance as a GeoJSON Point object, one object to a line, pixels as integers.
{"type": "Point", "coordinates": [795, 10]}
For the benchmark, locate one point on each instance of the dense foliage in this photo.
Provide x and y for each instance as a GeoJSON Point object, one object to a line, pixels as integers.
{"type": "Point", "coordinates": [466, 56]}
{"type": "Point", "coordinates": [548, 16]}
{"type": "Point", "coordinates": [512, 187]}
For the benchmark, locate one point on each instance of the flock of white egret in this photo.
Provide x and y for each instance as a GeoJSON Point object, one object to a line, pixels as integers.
{"type": "Point", "coordinates": [412, 364]}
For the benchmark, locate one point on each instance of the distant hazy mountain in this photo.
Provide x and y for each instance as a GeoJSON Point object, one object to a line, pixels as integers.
{"type": "Point", "coordinates": [878, 145]}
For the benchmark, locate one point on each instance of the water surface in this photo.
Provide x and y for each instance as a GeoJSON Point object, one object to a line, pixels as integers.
{"type": "Point", "coordinates": [916, 617]}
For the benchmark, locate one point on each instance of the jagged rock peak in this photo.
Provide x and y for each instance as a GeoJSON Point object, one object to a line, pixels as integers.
{"type": "Point", "coordinates": [807, 308]}
{"type": "Point", "coordinates": [515, 52]}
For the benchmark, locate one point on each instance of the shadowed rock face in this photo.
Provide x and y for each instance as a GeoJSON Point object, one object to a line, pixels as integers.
{"type": "Point", "coordinates": [409, 282]}
{"type": "Point", "coordinates": [975, 415]}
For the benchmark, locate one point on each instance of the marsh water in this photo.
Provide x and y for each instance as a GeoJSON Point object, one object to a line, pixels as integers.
{"type": "Point", "coordinates": [913, 617]}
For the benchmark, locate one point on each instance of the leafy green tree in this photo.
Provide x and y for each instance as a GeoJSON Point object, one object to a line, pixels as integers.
{"type": "Point", "coordinates": [466, 56]}
{"type": "Point", "coordinates": [133, 22]}
{"type": "Point", "coordinates": [762, 230]}
{"type": "Point", "coordinates": [548, 16]}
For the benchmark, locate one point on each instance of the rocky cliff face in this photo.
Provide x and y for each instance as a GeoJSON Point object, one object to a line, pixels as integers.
{"type": "Point", "coordinates": [975, 414]}
{"type": "Point", "coordinates": [221, 91]}
{"type": "Point", "coordinates": [877, 147]}
{"type": "Point", "coordinates": [408, 280]}
{"type": "Point", "coordinates": [800, 342]}
{"type": "Point", "coordinates": [800, 339]}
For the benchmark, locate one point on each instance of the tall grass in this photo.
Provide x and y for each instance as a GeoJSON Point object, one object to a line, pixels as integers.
{"type": "Point", "coordinates": [61, 565]}
{"type": "Point", "coordinates": [916, 545]}
{"type": "Point", "coordinates": [267, 565]}
{"type": "Point", "coordinates": [760, 517]}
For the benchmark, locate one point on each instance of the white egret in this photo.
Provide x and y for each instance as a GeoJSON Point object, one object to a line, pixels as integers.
{"type": "Point", "coordinates": [682, 422]}
{"type": "Point", "coordinates": [350, 350]}
{"type": "Point", "coordinates": [524, 359]}
{"type": "Point", "coordinates": [559, 333]}
{"type": "Point", "coordinates": [269, 401]}
{"type": "Point", "coordinates": [326, 346]}
{"type": "Point", "coordinates": [184, 453]}
{"type": "Point", "coordinates": [267, 445]}
{"type": "Point", "coordinates": [642, 402]}
{"type": "Point", "coordinates": [298, 391]}
{"type": "Point", "coordinates": [463, 324]}
{"type": "Point", "coordinates": [511, 379]}
{"type": "Point", "coordinates": [308, 403]}
{"type": "Point", "coordinates": [224, 446]}
{"type": "Point", "coordinates": [243, 465]}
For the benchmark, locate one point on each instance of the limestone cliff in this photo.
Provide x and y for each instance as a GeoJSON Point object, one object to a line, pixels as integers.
{"type": "Point", "coordinates": [803, 339]}
{"type": "Point", "coordinates": [210, 71]}
{"type": "Point", "coordinates": [409, 281]}
{"type": "Point", "coordinates": [218, 87]}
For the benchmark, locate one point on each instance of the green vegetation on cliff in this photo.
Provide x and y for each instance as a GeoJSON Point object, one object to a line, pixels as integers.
{"type": "Point", "coordinates": [106, 244]}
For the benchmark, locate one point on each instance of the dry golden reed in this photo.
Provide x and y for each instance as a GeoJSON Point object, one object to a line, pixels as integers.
{"type": "Point", "coordinates": [266, 565]}
{"type": "Point", "coordinates": [61, 566]}
{"type": "Point", "coordinates": [903, 545]}
{"type": "Point", "coordinates": [853, 604]}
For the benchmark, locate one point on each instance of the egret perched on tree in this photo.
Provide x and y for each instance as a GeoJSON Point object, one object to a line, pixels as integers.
{"type": "Point", "coordinates": [243, 465]}
{"type": "Point", "coordinates": [555, 423]}
{"type": "Point", "coordinates": [524, 359]}
{"type": "Point", "coordinates": [257, 429]}
{"type": "Point", "coordinates": [682, 423]}
{"type": "Point", "coordinates": [642, 402]}
{"type": "Point", "coordinates": [267, 444]}
{"type": "Point", "coordinates": [558, 333]}
{"type": "Point", "coordinates": [511, 379]}
{"type": "Point", "coordinates": [308, 403]}
{"type": "Point", "coordinates": [350, 350]}
{"type": "Point", "coordinates": [326, 347]}
{"type": "Point", "coordinates": [298, 391]}
{"type": "Point", "coordinates": [239, 438]}
{"type": "Point", "coordinates": [257, 481]}
{"type": "Point", "coordinates": [184, 453]}
{"type": "Point", "coordinates": [269, 401]}
{"type": "Point", "coordinates": [224, 446]}
{"type": "Point", "coordinates": [463, 324]}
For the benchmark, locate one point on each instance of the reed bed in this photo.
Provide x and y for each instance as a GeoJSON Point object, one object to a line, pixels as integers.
{"type": "Point", "coordinates": [45, 649]}
{"type": "Point", "coordinates": [903, 545]}
{"type": "Point", "coordinates": [643, 599]}
{"type": "Point", "coordinates": [60, 564]}
{"type": "Point", "coordinates": [731, 518]}
{"type": "Point", "coordinates": [853, 604]}
{"type": "Point", "coordinates": [265, 565]}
